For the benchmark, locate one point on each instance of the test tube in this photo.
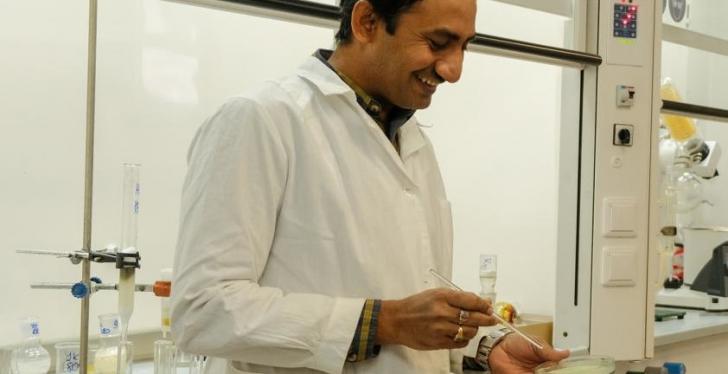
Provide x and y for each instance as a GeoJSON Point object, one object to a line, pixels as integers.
{"type": "Point", "coordinates": [130, 206]}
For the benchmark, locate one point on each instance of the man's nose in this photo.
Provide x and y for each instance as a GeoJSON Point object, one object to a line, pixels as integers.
{"type": "Point", "coordinates": [450, 67]}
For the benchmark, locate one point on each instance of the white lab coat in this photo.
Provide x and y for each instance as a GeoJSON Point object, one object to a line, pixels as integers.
{"type": "Point", "coordinates": [295, 209]}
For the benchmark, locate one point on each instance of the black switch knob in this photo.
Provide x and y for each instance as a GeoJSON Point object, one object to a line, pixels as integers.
{"type": "Point", "coordinates": [624, 136]}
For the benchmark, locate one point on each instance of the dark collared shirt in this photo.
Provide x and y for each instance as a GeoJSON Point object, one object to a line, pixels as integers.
{"type": "Point", "coordinates": [397, 116]}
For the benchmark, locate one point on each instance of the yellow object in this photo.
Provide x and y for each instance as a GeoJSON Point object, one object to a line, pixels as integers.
{"type": "Point", "coordinates": [506, 311]}
{"type": "Point", "coordinates": [681, 128]}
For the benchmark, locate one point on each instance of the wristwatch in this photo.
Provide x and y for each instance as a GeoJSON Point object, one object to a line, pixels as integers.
{"type": "Point", "coordinates": [486, 345]}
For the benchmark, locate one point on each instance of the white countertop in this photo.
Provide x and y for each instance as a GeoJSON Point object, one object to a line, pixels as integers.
{"type": "Point", "coordinates": [696, 324]}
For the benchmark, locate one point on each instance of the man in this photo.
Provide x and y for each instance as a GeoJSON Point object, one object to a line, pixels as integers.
{"type": "Point", "coordinates": [313, 209]}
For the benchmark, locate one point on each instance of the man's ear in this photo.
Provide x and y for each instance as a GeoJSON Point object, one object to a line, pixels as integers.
{"type": "Point", "coordinates": [364, 21]}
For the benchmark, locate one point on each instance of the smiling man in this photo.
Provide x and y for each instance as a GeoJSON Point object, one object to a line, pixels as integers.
{"type": "Point", "coordinates": [313, 209]}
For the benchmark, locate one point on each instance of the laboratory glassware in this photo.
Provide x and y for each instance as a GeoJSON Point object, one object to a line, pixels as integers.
{"type": "Point", "coordinates": [68, 358]}
{"type": "Point", "coordinates": [185, 363]}
{"type": "Point", "coordinates": [164, 349]}
{"type": "Point", "coordinates": [30, 357]}
{"type": "Point", "coordinates": [167, 358]}
{"type": "Point", "coordinates": [488, 276]}
{"type": "Point", "coordinates": [129, 224]}
{"type": "Point", "coordinates": [164, 355]}
{"type": "Point", "coordinates": [113, 355]}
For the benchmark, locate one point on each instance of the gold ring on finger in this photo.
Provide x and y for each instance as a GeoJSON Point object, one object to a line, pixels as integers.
{"type": "Point", "coordinates": [459, 336]}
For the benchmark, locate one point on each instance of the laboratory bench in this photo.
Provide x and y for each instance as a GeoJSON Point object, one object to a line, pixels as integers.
{"type": "Point", "coordinates": [695, 324]}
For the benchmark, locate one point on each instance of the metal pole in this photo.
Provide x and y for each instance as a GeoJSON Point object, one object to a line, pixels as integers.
{"type": "Point", "coordinates": [694, 111]}
{"type": "Point", "coordinates": [88, 178]}
{"type": "Point", "coordinates": [314, 13]}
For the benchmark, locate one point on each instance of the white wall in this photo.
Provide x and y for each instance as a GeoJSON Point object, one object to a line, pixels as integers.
{"type": "Point", "coordinates": [42, 111]}
{"type": "Point", "coordinates": [495, 133]}
{"type": "Point", "coordinates": [164, 67]}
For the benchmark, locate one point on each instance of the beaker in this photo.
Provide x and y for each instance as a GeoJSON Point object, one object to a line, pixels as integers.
{"type": "Point", "coordinates": [68, 358]}
{"type": "Point", "coordinates": [164, 355]}
{"type": "Point", "coordinates": [105, 359]}
{"type": "Point", "coordinates": [186, 363]}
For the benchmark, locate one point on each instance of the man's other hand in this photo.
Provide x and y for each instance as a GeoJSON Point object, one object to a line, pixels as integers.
{"type": "Point", "coordinates": [515, 355]}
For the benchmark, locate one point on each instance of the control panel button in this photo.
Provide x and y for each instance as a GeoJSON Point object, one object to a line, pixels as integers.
{"type": "Point", "coordinates": [625, 21]}
{"type": "Point", "coordinates": [623, 135]}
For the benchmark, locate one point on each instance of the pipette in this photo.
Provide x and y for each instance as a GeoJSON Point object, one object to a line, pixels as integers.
{"type": "Point", "coordinates": [495, 315]}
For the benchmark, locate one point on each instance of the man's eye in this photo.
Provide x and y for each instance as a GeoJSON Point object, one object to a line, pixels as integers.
{"type": "Point", "coordinates": [437, 46]}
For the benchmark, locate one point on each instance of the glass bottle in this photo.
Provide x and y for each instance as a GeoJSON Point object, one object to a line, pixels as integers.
{"type": "Point", "coordinates": [30, 357]}
{"type": "Point", "coordinates": [109, 359]}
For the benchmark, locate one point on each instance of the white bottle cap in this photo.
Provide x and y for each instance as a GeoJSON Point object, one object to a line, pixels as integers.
{"type": "Point", "coordinates": [166, 274]}
{"type": "Point", "coordinates": [488, 265]}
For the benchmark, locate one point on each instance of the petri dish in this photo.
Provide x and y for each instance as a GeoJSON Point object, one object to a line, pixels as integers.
{"type": "Point", "coordinates": [579, 365]}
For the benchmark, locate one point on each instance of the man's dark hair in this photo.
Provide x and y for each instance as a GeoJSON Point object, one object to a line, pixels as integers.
{"type": "Point", "coordinates": [388, 10]}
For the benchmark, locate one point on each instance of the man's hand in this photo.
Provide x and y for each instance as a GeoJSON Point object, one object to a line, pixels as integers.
{"type": "Point", "coordinates": [430, 319]}
{"type": "Point", "coordinates": [515, 355]}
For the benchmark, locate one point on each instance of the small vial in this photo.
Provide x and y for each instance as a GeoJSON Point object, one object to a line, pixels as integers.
{"type": "Point", "coordinates": [488, 275]}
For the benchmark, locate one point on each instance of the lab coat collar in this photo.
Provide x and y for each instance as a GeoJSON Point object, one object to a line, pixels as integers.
{"type": "Point", "coordinates": [329, 83]}
{"type": "Point", "coordinates": [316, 72]}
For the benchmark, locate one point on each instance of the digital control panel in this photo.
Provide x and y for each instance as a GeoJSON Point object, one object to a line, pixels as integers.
{"type": "Point", "coordinates": [625, 20]}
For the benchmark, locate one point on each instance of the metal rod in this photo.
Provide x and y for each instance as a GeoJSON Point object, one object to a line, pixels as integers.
{"type": "Point", "coordinates": [95, 287]}
{"type": "Point", "coordinates": [51, 286]}
{"type": "Point", "coordinates": [695, 111]}
{"type": "Point", "coordinates": [538, 52]}
{"type": "Point", "coordinates": [300, 7]}
{"type": "Point", "coordinates": [53, 253]}
{"type": "Point", "coordinates": [495, 315]}
{"type": "Point", "coordinates": [328, 15]}
{"type": "Point", "coordinates": [88, 176]}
